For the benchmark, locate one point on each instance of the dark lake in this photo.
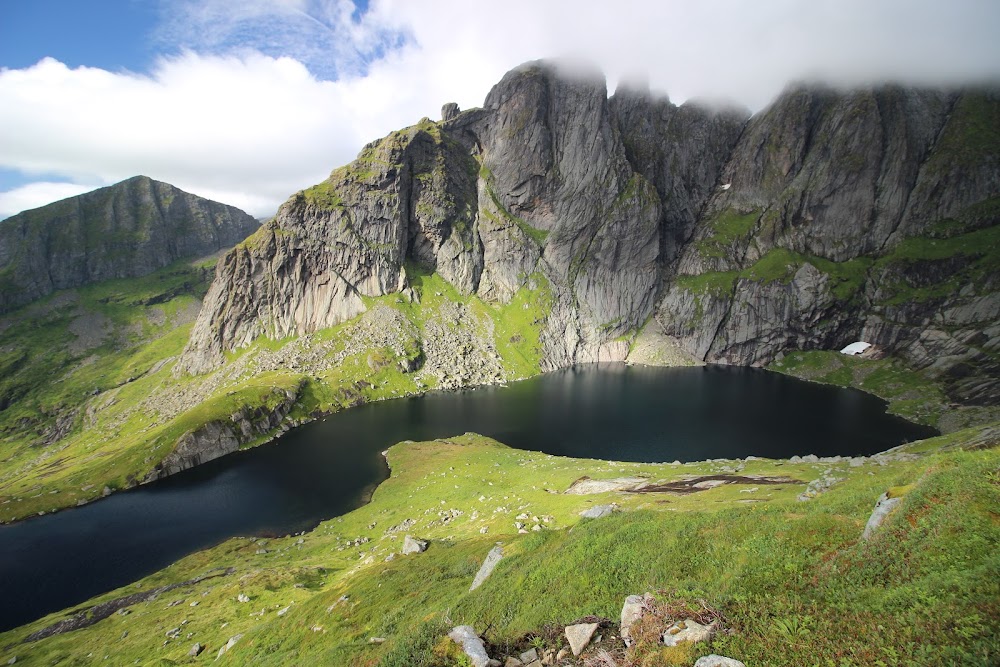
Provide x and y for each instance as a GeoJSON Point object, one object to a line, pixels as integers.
{"type": "Point", "coordinates": [329, 467]}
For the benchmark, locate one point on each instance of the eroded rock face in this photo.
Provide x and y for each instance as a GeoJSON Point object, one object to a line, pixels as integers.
{"type": "Point", "coordinates": [742, 237]}
{"type": "Point", "coordinates": [122, 231]}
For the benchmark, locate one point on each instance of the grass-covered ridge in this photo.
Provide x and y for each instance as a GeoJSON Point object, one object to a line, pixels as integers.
{"type": "Point", "coordinates": [115, 410]}
{"type": "Point", "coordinates": [787, 576]}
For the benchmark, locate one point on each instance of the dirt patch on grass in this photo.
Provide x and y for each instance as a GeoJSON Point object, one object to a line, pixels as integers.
{"type": "Point", "coordinates": [705, 482]}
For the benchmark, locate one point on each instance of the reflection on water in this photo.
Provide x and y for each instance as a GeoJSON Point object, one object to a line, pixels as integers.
{"type": "Point", "coordinates": [323, 469]}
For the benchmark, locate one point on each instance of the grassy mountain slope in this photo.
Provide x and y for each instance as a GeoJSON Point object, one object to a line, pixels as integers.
{"type": "Point", "coordinates": [790, 578]}
{"type": "Point", "coordinates": [90, 401]}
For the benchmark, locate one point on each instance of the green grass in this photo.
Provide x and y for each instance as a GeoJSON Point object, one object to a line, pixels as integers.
{"type": "Point", "coordinates": [113, 441]}
{"type": "Point", "coordinates": [787, 576]}
{"type": "Point", "coordinates": [910, 394]}
{"type": "Point", "coordinates": [729, 229]}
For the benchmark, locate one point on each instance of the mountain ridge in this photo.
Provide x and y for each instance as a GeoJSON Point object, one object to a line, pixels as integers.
{"type": "Point", "coordinates": [125, 230]}
{"type": "Point", "coordinates": [627, 205]}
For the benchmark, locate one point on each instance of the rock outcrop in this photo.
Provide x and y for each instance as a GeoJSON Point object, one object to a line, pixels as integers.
{"type": "Point", "coordinates": [828, 217]}
{"type": "Point", "coordinates": [122, 231]}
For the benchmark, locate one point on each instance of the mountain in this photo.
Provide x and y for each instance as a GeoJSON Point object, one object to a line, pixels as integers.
{"type": "Point", "coordinates": [830, 216]}
{"type": "Point", "coordinates": [125, 230]}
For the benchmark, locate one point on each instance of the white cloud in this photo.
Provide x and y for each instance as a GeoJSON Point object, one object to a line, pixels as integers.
{"type": "Point", "coordinates": [245, 115]}
{"type": "Point", "coordinates": [37, 194]}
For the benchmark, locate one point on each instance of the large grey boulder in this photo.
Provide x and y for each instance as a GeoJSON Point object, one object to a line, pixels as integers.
{"type": "Point", "coordinates": [714, 660]}
{"type": "Point", "coordinates": [412, 545]}
{"type": "Point", "coordinates": [687, 630]}
{"type": "Point", "coordinates": [883, 507]}
{"type": "Point", "coordinates": [579, 636]}
{"type": "Point", "coordinates": [466, 637]}
{"type": "Point", "coordinates": [597, 511]}
{"type": "Point", "coordinates": [632, 611]}
{"type": "Point", "coordinates": [492, 558]}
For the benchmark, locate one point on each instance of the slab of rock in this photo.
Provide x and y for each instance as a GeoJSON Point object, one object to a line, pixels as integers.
{"type": "Point", "coordinates": [231, 643]}
{"type": "Point", "coordinates": [466, 637]}
{"type": "Point", "coordinates": [714, 660]}
{"type": "Point", "coordinates": [412, 545]}
{"type": "Point", "coordinates": [579, 636]}
{"type": "Point", "coordinates": [597, 511]}
{"type": "Point", "coordinates": [883, 507]}
{"type": "Point", "coordinates": [492, 558]}
{"type": "Point", "coordinates": [529, 656]}
{"type": "Point", "coordinates": [633, 609]}
{"type": "Point", "coordinates": [687, 631]}
{"type": "Point", "coordinates": [586, 486]}
{"type": "Point", "coordinates": [196, 650]}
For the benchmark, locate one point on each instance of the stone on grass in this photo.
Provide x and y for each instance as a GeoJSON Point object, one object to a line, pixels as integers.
{"type": "Point", "coordinates": [492, 558]}
{"type": "Point", "coordinates": [466, 637]}
{"type": "Point", "coordinates": [687, 631]}
{"type": "Point", "coordinates": [714, 660]}
{"type": "Point", "coordinates": [196, 650]}
{"type": "Point", "coordinates": [231, 643]}
{"type": "Point", "coordinates": [632, 611]}
{"type": "Point", "coordinates": [883, 507]}
{"type": "Point", "coordinates": [597, 511]}
{"type": "Point", "coordinates": [243, 597]}
{"type": "Point", "coordinates": [579, 636]}
{"type": "Point", "coordinates": [412, 545]}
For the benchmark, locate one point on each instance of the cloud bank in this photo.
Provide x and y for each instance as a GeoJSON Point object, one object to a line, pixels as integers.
{"type": "Point", "coordinates": [264, 97]}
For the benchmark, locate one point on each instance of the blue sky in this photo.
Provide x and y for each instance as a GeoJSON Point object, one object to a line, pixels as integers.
{"type": "Point", "coordinates": [247, 101]}
{"type": "Point", "coordinates": [112, 34]}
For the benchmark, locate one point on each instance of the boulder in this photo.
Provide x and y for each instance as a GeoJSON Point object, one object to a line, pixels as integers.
{"type": "Point", "coordinates": [883, 507]}
{"type": "Point", "coordinates": [231, 643]}
{"type": "Point", "coordinates": [412, 545]}
{"type": "Point", "coordinates": [492, 558]}
{"type": "Point", "coordinates": [687, 631]}
{"type": "Point", "coordinates": [714, 660]}
{"type": "Point", "coordinates": [466, 637]}
{"type": "Point", "coordinates": [579, 636]}
{"type": "Point", "coordinates": [196, 650]}
{"type": "Point", "coordinates": [597, 511]}
{"type": "Point", "coordinates": [633, 609]}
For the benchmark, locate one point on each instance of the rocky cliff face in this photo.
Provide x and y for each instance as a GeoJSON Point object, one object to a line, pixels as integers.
{"type": "Point", "coordinates": [122, 231]}
{"type": "Point", "coordinates": [828, 217]}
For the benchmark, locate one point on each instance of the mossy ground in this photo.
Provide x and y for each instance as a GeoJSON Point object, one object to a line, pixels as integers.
{"type": "Point", "coordinates": [792, 580]}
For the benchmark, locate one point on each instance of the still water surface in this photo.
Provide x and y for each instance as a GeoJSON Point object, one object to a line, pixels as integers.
{"type": "Point", "coordinates": [329, 467]}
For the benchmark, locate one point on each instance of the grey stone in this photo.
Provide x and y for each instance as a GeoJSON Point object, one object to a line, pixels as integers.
{"type": "Point", "coordinates": [597, 511]}
{"type": "Point", "coordinates": [228, 645]}
{"type": "Point", "coordinates": [196, 650]}
{"type": "Point", "coordinates": [632, 611]}
{"type": "Point", "coordinates": [883, 507]}
{"type": "Point", "coordinates": [466, 637]}
{"type": "Point", "coordinates": [449, 111]}
{"type": "Point", "coordinates": [529, 656]}
{"type": "Point", "coordinates": [714, 660]}
{"type": "Point", "coordinates": [579, 636]}
{"type": "Point", "coordinates": [486, 569]}
{"type": "Point", "coordinates": [412, 545]}
{"type": "Point", "coordinates": [687, 631]}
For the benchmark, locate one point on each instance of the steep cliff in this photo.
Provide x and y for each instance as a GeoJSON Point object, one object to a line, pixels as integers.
{"type": "Point", "coordinates": [828, 217]}
{"type": "Point", "coordinates": [843, 216]}
{"type": "Point", "coordinates": [537, 183]}
{"type": "Point", "coordinates": [122, 231]}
